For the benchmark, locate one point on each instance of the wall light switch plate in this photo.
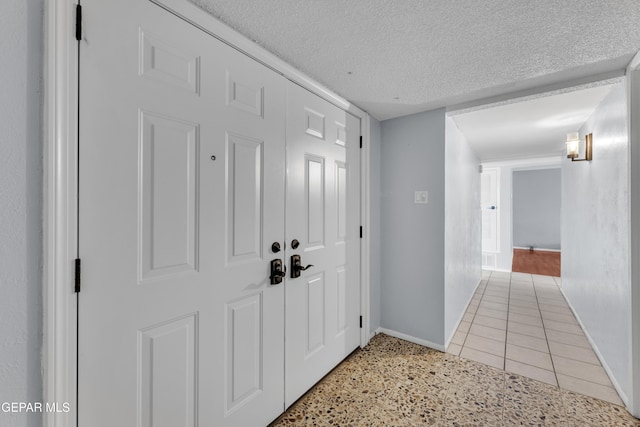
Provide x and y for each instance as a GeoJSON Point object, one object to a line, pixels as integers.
{"type": "Point", "coordinates": [421, 197]}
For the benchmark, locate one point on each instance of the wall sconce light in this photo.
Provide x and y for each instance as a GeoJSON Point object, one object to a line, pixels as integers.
{"type": "Point", "coordinates": [573, 147]}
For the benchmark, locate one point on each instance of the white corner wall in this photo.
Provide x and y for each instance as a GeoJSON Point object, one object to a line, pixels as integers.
{"type": "Point", "coordinates": [595, 237]}
{"type": "Point", "coordinates": [412, 235]}
{"type": "Point", "coordinates": [374, 278]}
{"type": "Point", "coordinates": [21, 50]}
{"type": "Point", "coordinates": [463, 228]}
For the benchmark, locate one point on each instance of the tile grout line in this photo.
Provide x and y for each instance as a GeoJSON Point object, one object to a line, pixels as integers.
{"type": "Point", "coordinates": [506, 329]}
{"type": "Point", "coordinates": [474, 316]}
{"type": "Point", "coordinates": [535, 292]}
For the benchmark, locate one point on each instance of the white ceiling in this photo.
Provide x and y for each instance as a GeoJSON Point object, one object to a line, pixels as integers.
{"type": "Point", "coordinates": [535, 127]}
{"type": "Point", "coordinates": [394, 58]}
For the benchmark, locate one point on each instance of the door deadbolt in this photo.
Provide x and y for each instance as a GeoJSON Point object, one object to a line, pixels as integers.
{"type": "Point", "coordinates": [275, 247]}
{"type": "Point", "coordinates": [296, 266]}
{"type": "Point", "coordinates": [295, 244]}
{"type": "Point", "coordinates": [277, 272]}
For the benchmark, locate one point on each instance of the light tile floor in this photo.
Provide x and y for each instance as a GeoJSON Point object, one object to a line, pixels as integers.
{"type": "Point", "coordinates": [521, 323]}
{"type": "Point", "coordinates": [392, 382]}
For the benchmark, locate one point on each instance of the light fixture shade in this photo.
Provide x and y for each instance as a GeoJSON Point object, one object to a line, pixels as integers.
{"type": "Point", "coordinates": [573, 145]}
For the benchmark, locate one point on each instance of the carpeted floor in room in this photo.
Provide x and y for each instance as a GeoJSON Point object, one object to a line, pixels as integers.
{"type": "Point", "coordinates": [392, 382]}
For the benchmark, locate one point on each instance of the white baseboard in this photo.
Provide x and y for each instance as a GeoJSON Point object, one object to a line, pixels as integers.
{"type": "Point", "coordinates": [409, 338]}
{"type": "Point", "coordinates": [603, 362]}
{"type": "Point", "coordinates": [503, 270]}
{"type": "Point", "coordinates": [537, 249]}
{"type": "Point", "coordinates": [466, 307]}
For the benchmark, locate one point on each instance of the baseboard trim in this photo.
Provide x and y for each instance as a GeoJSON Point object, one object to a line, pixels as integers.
{"type": "Point", "coordinates": [537, 249]}
{"type": "Point", "coordinates": [599, 355]}
{"type": "Point", "coordinates": [410, 338]}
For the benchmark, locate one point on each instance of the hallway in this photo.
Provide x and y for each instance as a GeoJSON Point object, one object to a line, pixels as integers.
{"type": "Point", "coordinates": [521, 323]}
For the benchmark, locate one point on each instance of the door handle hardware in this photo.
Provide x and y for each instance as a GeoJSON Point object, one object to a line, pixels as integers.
{"type": "Point", "coordinates": [295, 244]}
{"type": "Point", "coordinates": [277, 272]}
{"type": "Point", "coordinates": [275, 247]}
{"type": "Point", "coordinates": [296, 266]}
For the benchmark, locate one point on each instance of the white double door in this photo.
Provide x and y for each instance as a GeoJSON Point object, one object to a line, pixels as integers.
{"type": "Point", "coordinates": [194, 160]}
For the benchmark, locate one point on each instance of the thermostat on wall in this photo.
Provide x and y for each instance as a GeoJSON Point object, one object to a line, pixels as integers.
{"type": "Point", "coordinates": [421, 197]}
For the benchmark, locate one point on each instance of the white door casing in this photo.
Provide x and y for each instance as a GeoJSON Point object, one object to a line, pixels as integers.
{"type": "Point", "coordinates": [323, 193]}
{"type": "Point", "coordinates": [181, 197]}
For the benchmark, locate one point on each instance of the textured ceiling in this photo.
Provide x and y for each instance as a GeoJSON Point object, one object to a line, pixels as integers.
{"type": "Point", "coordinates": [535, 127]}
{"type": "Point", "coordinates": [397, 57]}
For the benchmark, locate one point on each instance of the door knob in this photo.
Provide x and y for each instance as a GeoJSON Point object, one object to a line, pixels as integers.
{"type": "Point", "coordinates": [277, 272]}
{"type": "Point", "coordinates": [296, 266]}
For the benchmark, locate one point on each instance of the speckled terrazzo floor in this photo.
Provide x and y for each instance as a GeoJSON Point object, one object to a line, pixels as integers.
{"type": "Point", "coordinates": [392, 382]}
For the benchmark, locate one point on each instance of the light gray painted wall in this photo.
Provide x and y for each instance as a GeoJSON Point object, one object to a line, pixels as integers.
{"type": "Point", "coordinates": [412, 270]}
{"type": "Point", "coordinates": [595, 235]}
{"type": "Point", "coordinates": [21, 50]}
{"type": "Point", "coordinates": [536, 208]}
{"type": "Point", "coordinates": [463, 227]}
{"type": "Point", "coordinates": [374, 254]}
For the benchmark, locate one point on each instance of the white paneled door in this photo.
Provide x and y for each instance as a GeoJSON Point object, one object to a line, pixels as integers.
{"type": "Point", "coordinates": [323, 199]}
{"type": "Point", "coordinates": [183, 154]}
{"type": "Point", "coordinates": [181, 196]}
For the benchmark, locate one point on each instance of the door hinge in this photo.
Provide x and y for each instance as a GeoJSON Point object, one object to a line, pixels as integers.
{"type": "Point", "coordinates": [77, 278]}
{"type": "Point", "coordinates": [361, 232]}
{"type": "Point", "coordinates": [361, 322]}
{"type": "Point", "coordinates": [78, 22]}
{"type": "Point", "coordinates": [360, 141]}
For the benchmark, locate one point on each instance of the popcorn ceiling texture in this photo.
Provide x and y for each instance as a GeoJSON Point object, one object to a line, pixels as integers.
{"type": "Point", "coordinates": [436, 53]}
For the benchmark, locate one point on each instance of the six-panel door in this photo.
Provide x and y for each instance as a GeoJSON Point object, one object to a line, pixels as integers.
{"type": "Point", "coordinates": [182, 193]}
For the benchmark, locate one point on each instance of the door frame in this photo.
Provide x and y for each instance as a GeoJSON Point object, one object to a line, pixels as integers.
{"type": "Point", "coordinates": [60, 225]}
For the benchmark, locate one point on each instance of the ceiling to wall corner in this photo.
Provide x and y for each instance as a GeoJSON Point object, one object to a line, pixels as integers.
{"type": "Point", "coordinates": [394, 58]}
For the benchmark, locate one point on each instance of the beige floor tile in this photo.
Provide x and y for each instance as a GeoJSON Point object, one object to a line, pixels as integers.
{"type": "Point", "coordinates": [498, 314]}
{"type": "Point", "coordinates": [574, 352]}
{"type": "Point", "coordinates": [493, 298]}
{"type": "Point", "coordinates": [556, 309]}
{"type": "Point", "coordinates": [521, 328]}
{"type": "Point", "coordinates": [579, 340]}
{"type": "Point", "coordinates": [527, 320]}
{"type": "Point", "coordinates": [487, 332]}
{"type": "Point", "coordinates": [534, 312]}
{"type": "Point", "coordinates": [529, 356]}
{"type": "Point", "coordinates": [492, 322]}
{"type": "Point", "coordinates": [454, 349]}
{"type": "Point", "coordinates": [485, 344]}
{"type": "Point", "coordinates": [472, 309]}
{"type": "Point", "coordinates": [548, 301]}
{"type": "Point", "coordinates": [559, 317]}
{"type": "Point", "coordinates": [458, 338]}
{"type": "Point", "coordinates": [464, 326]}
{"type": "Point", "coordinates": [581, 370]}
{"type": "Point", "coordinates": [529, 371]}
{"type": "Point", "coordinates": [482, 357]}
{"type": "Point", "coordinates": [539, 344]}
{"type": "Point", "coordinates": [494, 306]}
{"type": "Point", "coordinates": [495, 293]}
{"type": "Point", "coordinates": [524, 304]}
{"type": "Point", "coordinates": [598, 391]}
{"type": "Point", "coordinates": [468, 317]}
{"type": "Point", "coordinates": [563, 327]}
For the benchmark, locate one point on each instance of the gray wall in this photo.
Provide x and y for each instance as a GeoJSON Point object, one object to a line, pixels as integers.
{"type": "Point", "coordinates": [463, 227]}
{"type": "Point", "coordinates": [536, 208]}
{"type": "Point", "coordinates": [595, 236]}
{"type": "Point", "coordinates": [412, 270]}
{"type": "Point", "coordinates": [374, 240]}
{"type": "Point", "coordinates": [20, 206]}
